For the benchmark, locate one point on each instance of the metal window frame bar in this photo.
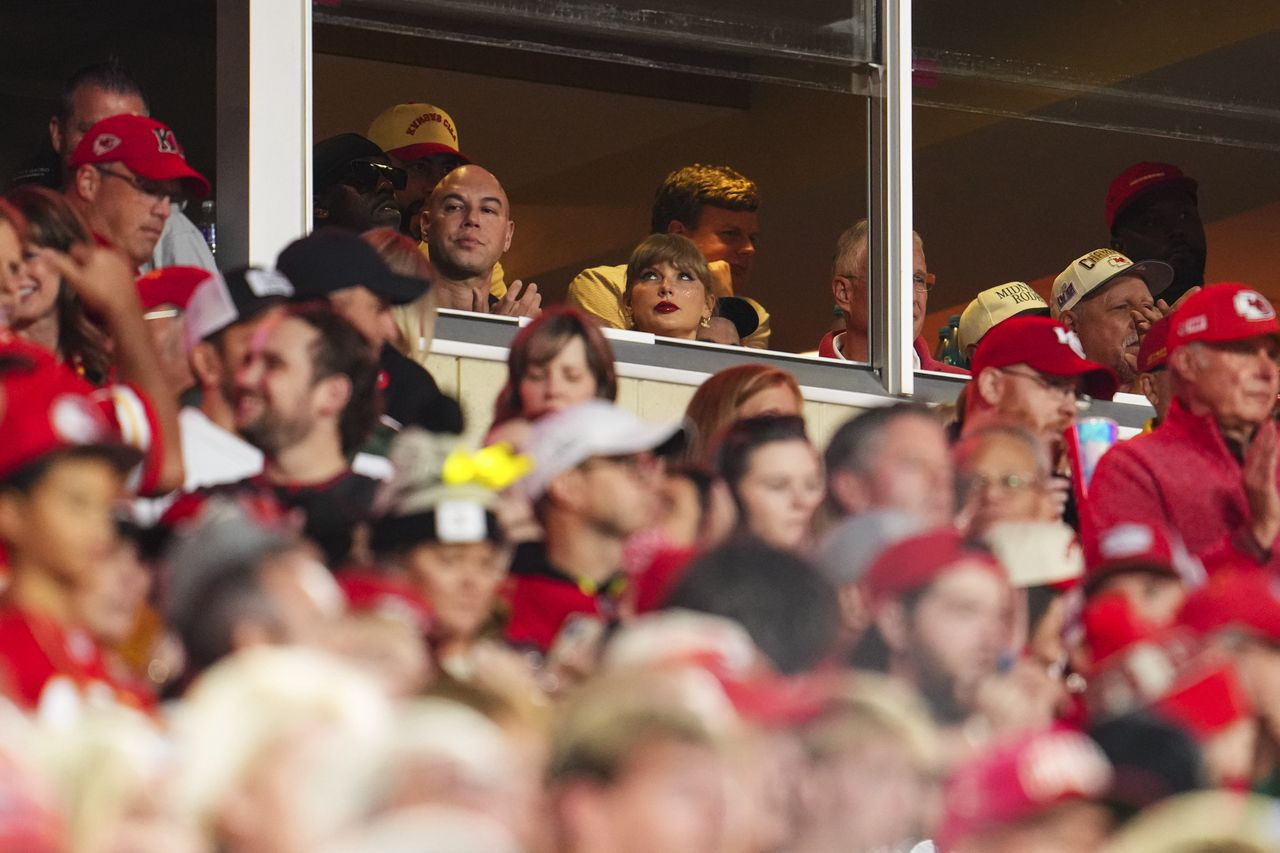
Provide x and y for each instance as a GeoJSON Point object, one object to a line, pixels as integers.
{"type": "Point", "coordinates": [890, 202]}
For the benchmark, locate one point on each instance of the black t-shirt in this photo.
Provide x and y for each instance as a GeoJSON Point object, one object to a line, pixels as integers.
{"type": "Point", "coordinates": [412, 397]}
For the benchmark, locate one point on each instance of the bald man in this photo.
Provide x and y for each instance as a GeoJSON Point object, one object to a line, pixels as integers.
{"type": "Point", "coordinates": [467, 226]}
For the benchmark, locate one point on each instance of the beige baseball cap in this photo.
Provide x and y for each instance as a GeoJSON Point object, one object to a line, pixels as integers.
{"type": "Point", "coordinates": [1089, 272]}
{"type": "Point", "coordinates": [995, 305]}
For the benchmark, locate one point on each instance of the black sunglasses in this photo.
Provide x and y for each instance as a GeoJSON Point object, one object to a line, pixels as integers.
{"type": "Point", "coordinates": [364, 176]}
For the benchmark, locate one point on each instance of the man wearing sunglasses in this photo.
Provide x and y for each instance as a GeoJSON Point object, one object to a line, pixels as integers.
{"type": "Point", "coordinates": [126, 173]}
{"type": "Point", "coordinates": [355, 184]}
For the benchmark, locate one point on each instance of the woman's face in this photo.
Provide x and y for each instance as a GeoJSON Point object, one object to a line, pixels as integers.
{"type": "Point", "coordinates": [461, 581]}
{"type": "Point", "coordinates": [37, 285]}
{"type": "Point", "coordinates": [564, 381]}
{"type": "Point", "coordinates": [11, 272]}
{"type": "Point", "coordinates": [780, 492]}
{"type": "Point", "coordinates": [666, 301]}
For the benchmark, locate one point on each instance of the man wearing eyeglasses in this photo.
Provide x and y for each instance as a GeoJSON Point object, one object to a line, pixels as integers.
{"type": "Point", "coordinates": [1209, 470]}
{"type": "Point", "coordinates": [850, 286]}
{"type": "Point", "coordinates": [1031, 372]}
{"type": "Point", "coordinates": [422, 139]}
{"type": "Point", "coordinates": [1109, 301]}
{"type": "Point", "coordinates": [355, 184]}
{"type": "Point", "coordinates": [127, 170]}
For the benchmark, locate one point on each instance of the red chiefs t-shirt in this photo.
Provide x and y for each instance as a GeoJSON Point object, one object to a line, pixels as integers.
{"type": "Point", "coordinates": [48, 670]}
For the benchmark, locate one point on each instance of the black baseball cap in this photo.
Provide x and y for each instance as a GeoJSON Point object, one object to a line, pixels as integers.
{"type": "Point", "coordinates": [330, 156]}
{"type": "Point", "coordinates": [332, 259]}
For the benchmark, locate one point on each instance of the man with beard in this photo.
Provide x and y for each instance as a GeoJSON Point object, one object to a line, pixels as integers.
{"type": "Point", "coordinates": [422, 139]}
{"type": "Point", "coordinates": [1031, 372]}
{"type": "Point", "coordinates": [1209, 470]}
{"type": "Point", "coordinates": [467, 226]}
{"type": "Point", "coordinates": [941, 614]}
{"type": "Point", "coordinates": [1152, 211]}
{"type": "Point", "coordinates": [355, 184]}
{"type": "Point", "coordinates": [219, 341]}
{"type": "Point", "coordinates": [305, 395]}
{"type": "Point", "coordinates": [1109, 301]}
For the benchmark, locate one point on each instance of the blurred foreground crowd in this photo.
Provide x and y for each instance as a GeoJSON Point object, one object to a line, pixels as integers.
{"type": "Point", "coordinates": [259, 597]}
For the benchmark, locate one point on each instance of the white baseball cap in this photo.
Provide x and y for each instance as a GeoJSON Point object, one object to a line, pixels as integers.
{"type": "Point", "coordinates": [1089, 272]}
{"type": "Point", "coordinates": [566, 439]}
{"type": "Point", "coordinates": [995, 305]}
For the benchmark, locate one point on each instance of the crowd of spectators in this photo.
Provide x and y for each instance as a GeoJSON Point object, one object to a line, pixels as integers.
{"type": "Point", "coordinates": [259, 597]}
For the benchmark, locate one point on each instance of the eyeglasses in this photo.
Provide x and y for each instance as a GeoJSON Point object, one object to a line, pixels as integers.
{"type": "Point", "coordinates": [1005, 483]}
{"type": "Point", "coordinates": [363, 176]}
{"type": "Point", "coordinates": [1063, 389]}
{"type": "Point", "coordinates": [920, 282]}
{"type": "Point", "coordinates": [154, 190]}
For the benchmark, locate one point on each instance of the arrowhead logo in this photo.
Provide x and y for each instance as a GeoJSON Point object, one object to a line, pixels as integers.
{"type": "Point", "coordinates": [1253, 306]}
{"type": "Point", "coordinates": [105, 144]}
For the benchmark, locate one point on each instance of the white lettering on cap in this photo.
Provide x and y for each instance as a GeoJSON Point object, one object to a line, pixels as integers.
{"type": "Point", "coordinates": [166, 142]}
{"type": "Point", "coordinates": [1193, 325]}
{"type": "Point", "coordinates": [105, 144]}
{"type": "Point", "coordinates": [1066, 337]}
{"type": "Point", "coordinates": [1252, 305]}
{"type": "Point", "coordinates": [268, 283]}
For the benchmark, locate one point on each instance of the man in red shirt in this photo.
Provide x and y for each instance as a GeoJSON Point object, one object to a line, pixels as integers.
{"type": "Point", "coordinates": [62, 475]}
{"type": "Point", "coordinates": [126, 171]}
{"type": "Point", "coordinates": [594, 483]}
{"type": "Point", "coordinates": [1209, 470]}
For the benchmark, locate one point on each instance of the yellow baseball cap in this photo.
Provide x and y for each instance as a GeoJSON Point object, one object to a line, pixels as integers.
{"type": "Point", "coordinates": [995, 305]}
{"type": "Point", "coordinates": [412, 131]}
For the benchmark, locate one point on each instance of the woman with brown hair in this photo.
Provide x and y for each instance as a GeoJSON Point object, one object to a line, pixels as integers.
{"type": "Point", "coordinates": [744, 391]}
{"type": "Point", "coordinates": [668, 288]}
{"type": "Point", "coordinates": [558, 360]}
{"type": "Point", "coordinates": [48, 311]}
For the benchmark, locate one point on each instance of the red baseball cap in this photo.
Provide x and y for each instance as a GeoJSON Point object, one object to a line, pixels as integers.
{"type": "Point", "coordinates": [1044, 345]}
{"type": "Point", "coordinates": [1153, 352]}
{"type": "Point", "coordinates": [1133, 546]}
{"type": "Point", "coordinates": [1141, 178]}
{"type": "Point", "coordinates": [1221, 313]}
{"type": "Point", "coordinates": [170, 286]}
{"type": "Point", "coordinates": [1240, 598]}
{"type": "Point", "coordinates": [1018, 779]}
{"type": "Point", "coordinates": [915, 562]}
{"type": "Point", "coordinates": [48, 409]}
{"type": "Point", "coordinates": [369, 592]}
{"type": "Point", "coordinates": [148, 148]}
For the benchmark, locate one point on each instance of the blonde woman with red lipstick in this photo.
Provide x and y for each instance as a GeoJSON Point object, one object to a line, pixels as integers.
{"type": "Point", "coordinates": [668, 288]}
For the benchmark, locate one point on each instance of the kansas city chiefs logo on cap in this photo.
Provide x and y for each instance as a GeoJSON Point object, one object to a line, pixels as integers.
{"type": "Point", "coordinates": [105, 143]}
{"type": "Point", "coordinates": [166, 143]}
{"type": "Point", "coordinates": [1126, 540]}
{"type": "Point", "coordinates": [1253, 306]}
{"type": "Point", "coordinates": [1066, 337]}
{"type": "Point", "coordinates": [74, 420]}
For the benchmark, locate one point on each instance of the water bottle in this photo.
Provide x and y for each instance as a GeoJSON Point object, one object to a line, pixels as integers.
{"type": "Point", "coordinates": [208, 224]}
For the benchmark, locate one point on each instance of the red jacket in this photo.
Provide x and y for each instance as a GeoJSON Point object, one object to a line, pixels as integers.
{"type": "Point", "coordinates": [827, 349]}
{"type": "Point", "coordinates": [1183, 476]}
{"type": "Point", "coordinates": [47, 669]}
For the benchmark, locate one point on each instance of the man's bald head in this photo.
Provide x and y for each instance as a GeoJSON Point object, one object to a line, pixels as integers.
{"type": "Point", "coordinates": [467, 223]}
